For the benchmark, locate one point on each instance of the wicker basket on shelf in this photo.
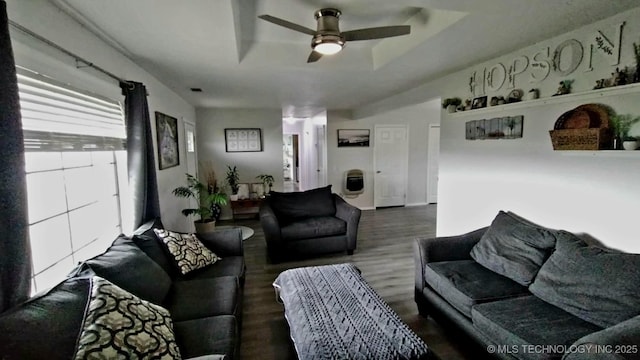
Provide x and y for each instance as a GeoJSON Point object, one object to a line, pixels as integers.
{"type": "Point", "coordinates": [584, 128]}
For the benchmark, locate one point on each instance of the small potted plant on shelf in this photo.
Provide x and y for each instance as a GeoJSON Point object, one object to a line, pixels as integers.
{"type": "Point", "coordinates": [206, 197]}
{"type": "Point", "coordinates": [233, 179]}
{"type": "Point", "coordinates": [621, 126]}
{"type": "Point", "coordinates": [267, 181]}
{"type": "Point", "coordinates": [451, 104]}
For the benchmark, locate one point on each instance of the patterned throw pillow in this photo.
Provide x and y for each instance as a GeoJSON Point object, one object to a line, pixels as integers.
{"type": "Point", "coordinates": [121, 325]}
{"type": "Point", "coordinates": [188, 252]}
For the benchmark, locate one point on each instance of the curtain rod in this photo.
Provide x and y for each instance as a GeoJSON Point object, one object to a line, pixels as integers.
{"type": "Point", "coordinates": [67, 52]}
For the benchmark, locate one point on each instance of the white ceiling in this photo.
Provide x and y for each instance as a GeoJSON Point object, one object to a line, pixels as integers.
{"type": "Point", "coordinates": [241, 61]}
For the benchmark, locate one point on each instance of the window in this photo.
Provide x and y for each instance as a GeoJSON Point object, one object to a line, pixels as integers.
{"type": "Point", "coordinates": [76, 174]}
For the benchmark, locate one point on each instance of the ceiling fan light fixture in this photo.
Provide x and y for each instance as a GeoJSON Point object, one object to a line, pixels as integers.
{"type": "Point", "coordinates": [327, 44]}
{"type": "Point", "coordinates": [328, 48]}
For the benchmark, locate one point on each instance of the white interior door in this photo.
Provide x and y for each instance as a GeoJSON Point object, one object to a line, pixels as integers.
{"type": "Point", "coordinates": [432, 163]}
{"type": "Point", "coordinates": [391, 157]}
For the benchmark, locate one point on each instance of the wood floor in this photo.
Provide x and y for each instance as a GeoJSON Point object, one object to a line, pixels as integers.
{"type": "Point", "coordinates": [385, 257]}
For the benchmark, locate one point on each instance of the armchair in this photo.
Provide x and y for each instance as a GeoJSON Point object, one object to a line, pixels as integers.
{"type": "Point", "coordinates": [307, 223]}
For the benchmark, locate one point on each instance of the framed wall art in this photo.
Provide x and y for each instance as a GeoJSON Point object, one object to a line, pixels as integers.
{"type": "Point", "coordinates": [167, 141]}
{"type": "Point", "coordinates": [243, 140]}
{"type": "Point", "coordinates": [353, 137]}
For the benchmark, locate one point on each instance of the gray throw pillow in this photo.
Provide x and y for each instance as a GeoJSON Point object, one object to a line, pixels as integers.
{"type": "Point", "coordinates": [514, 247]}
{"type": "Point", "coordinates": [597, 285]}
{"type": "Point", "coordinates": [125, 265]}
{"type": "Point", "coordinates": [47, 325]}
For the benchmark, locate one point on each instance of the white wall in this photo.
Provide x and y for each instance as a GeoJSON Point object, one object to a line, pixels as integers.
{"type": "Point", "coordinates": [211, 145]}
{"type": "Point", "coordinates": [597, 193]}
{"type": "Point", "coordinates": [41, 17]}
{"type": "Point", "coordinates": [340, 160]}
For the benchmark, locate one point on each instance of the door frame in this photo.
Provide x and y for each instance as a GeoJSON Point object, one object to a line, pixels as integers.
{"type": "Point", "coordinates": [405, 160]}
{"type": "Point", "coordinates": [430, 158]}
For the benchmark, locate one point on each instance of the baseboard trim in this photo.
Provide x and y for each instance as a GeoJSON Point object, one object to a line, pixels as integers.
{"type": "Point", "coordinates": [417, 204]}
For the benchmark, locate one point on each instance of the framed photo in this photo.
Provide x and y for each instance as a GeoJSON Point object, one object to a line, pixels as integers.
{"type": "Point", "coordinates": [257, 189]}
{"type": "Point", "coordinates": [479, 102]}
{"type": "Point", "coordinates": [353, 137]}
{"type": "Point", "coordinates": [243, 191]}
{"type": "Point", "coordinates": [167, 141]}
{"type": "Point", "coordinates": [243, 140]}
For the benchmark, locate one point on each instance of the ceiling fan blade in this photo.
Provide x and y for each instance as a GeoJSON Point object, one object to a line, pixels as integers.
{"type": "Point", "coordinates": [287, 24]}
{"type": "Point", "coordinates": [314, 56]}
{"type": "Point", "coordinates": [376, 32]}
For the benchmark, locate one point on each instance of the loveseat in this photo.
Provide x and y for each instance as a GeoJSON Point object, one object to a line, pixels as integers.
{"type": "Point", "coordinates": [523, 291]}
{"type": "Point", "coordinates": [161, 297]}
{"type": "Point", "coordinates": [308, 222]}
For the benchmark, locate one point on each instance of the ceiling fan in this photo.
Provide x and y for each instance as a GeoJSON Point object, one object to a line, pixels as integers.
{"type": "Point", "coordinates": [328, 40]}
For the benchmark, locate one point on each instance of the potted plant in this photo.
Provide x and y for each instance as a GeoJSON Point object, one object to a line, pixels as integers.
{"type": "Point", "coordinates": [621, 126]}
{"type": "Point", "coordinates": [451, 104]}
{"type": "Point", "coordinates": [206, 197]}
{"type": "Point", "coordinates": [233, 179]}
{"type": "Point", "coordinates": [267, 180]}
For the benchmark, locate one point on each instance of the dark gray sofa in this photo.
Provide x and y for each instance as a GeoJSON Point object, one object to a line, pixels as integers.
{"type": "Point", "coordinates": [307, 223]}
{"type": "Point", "coordinates": [205, 305]}
{"type": "Point", "coordinates": [522, 291]}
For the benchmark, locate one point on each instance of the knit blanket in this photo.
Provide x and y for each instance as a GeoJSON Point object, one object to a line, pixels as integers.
{"type": "Point", "coordinates": [334, 314]}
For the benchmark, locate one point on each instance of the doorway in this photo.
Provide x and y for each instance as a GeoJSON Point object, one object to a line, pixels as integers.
{"type": "Point", "coordinates": [291, 162]}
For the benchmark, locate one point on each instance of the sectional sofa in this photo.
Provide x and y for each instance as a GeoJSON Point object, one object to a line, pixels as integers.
{"type": "Point", "coordinates": [523, 291]}
{"type": "Point", "coordinates": [157, 294]}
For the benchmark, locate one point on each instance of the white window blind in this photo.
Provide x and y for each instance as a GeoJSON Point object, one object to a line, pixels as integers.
{"type": "Point", "coordinates": [58, 117]}
{"type": "Point", "coordinates": [76, 174]}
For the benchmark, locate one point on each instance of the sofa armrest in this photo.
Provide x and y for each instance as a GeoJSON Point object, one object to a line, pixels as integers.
{"type": "Point", "coordinates": [445, 248]}
{"type": "Point", "coordinates": [620, 341]}
{"type": "Point", "coordinates": [224, 242]}
{"type": "Point", "coordinates": [270, 224]}
{"type": "Point", "coordinates": [351, 215]}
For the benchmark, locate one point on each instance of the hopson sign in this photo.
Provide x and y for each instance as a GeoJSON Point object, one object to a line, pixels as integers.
{"type": "Point", "coordinates": [564, 60]}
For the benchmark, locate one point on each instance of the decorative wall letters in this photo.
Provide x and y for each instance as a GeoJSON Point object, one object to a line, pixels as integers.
{"type": "Point", "coordinates": [566, 59]}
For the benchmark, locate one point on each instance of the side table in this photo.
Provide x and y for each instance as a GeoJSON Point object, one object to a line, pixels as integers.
{"type": "Point", "coordinates": [246, 207]}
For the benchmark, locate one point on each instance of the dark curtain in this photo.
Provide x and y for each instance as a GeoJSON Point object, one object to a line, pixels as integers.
{"type": "Point", "coordinates": [15, 252]}
{"type": "Point", "coordinates": [142, 166]}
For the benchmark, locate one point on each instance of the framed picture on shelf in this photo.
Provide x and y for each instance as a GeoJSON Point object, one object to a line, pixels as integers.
{"type": "Point", "coordinates": [243, 140]}
{"type": "Point", "coordinates": [353, 137]}
{"type": "Point", "coordinates": [257, 190]}
{"type": "Point", "coordinates": [479, 102]}
{"type": "Point", "coordinates": [167, 141]}
{"type": "Point", "coordinates": [243, 191]}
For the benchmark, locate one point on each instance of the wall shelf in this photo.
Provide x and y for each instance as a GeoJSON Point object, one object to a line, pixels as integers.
{"type": "Point", "coordinates": [574, 97]}
{"type": "Point", "coordinates": [600, 153]}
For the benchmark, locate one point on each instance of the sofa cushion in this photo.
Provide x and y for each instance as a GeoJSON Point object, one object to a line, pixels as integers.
{"type": "Point", "coordinates": [527, 320]}
{"type": "Point", "coordinates": [210, 335]}
{"type": "Point", "coordinates": [227, 266]}
{"type": "Point", "coordinates": [125, 265]}
{"type": "Point", "coordinates": [313, 228]}
{"type": "Point", "coordinates": [48, 323]}
{"type": "Point", "coordinates": [301, 205]}
{"type": "Point", "coordinates": [514, 247]}
{"type": "Point", "coordinates": [119, 324]}
{"type": "Point", "coordinates": [188, 252]}
{"type": "Point", "coordinates": [464, 283]}
{"type": "Point", "coordinates": [594, 284]}
{"type": "Point", "coordinates": [200, 298]}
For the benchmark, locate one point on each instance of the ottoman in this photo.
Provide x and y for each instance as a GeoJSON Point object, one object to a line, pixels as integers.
{"type": "Point", "coordinates": [334, 314]}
